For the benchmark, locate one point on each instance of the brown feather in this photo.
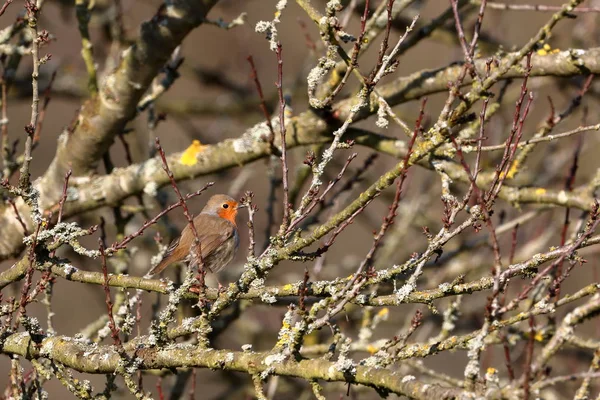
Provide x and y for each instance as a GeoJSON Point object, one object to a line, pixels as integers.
{"type": "Point", "coordinates": [214, 234]}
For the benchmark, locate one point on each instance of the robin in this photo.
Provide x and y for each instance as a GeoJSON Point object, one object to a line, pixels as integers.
{"type": "Point", "coordinates": [217, 232]}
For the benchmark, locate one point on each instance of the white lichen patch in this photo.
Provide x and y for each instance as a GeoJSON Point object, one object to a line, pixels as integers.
{"type": "Point", "coordinates": [268, 298]}
{"type": "Point", "coordinates": [333, 6]}
{"type": "Point", "coordinates": [69, 269]}
{"type": "Point", "coordinates": [272, 359]}
{"type": "Point", "coordinates": [316, 75]}
{"type": "Point", "coordinates": [382, 121]}
{"type": "Point", "coordinates": [343, 364]}
{"type": "Point", "coordinates": [269, 28]}
{"type": "Point", "coordinates": [188, 323]}
{"type": "Point", "coordinates": [257, 134]}
{"type": "Point", "coordinates": [405, 291]}
{"type": "Point", "coordinates": [361, 299]}
{"type": "Point", "coordinates": [372, 362]}
{"type": "Point", "coordinates": [151, 188]}
{"type": "Point", "coordinates": [257, 283]}
{"type": "Point", "coordinates": [47, 346]}
{"type": "Point", "coordinates": [152, 340]}
{"type": "Point", "coordinates": [445, 287]}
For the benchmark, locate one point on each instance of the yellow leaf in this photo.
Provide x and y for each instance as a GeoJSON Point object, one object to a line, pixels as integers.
{"type": "Point", "coordinates": [371, 349]}
{"type": "Point", "coordinates": [547, 49]}
{"type": "Point", "coordinates": [190, 155]}
{"type": "Point", "coordinates": [383, 313]}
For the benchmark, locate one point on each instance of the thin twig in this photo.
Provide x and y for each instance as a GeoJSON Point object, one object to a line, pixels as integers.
{"type": "Point", "coordinates": [32, 12]}
{"type": "Point", "coordinates": [263, 104]}
{"type": "Point", "coordinates": [282, 131]}
{"type": "Point", "coordinates": [534, 7]}
{"type": "Point", "coordinates": [109, 305]}
{"type": "Point", "coordinates": [5, 6]}
{"type": "Point", "coordinates": [247, 201]}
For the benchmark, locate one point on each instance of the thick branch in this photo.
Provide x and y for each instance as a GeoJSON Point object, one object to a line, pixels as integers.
{"type": "Point", "coordinates": [305, 129]}
{"type": "Point", "coordinates": [105, 115]}
{"type": "Point", "coordinates": [105, 360]}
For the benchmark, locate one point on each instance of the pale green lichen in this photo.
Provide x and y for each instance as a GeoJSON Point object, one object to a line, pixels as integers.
{"type": "Point", "coordinates": [269, 28]}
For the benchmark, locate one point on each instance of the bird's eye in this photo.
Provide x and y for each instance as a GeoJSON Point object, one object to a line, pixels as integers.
{"type": "Point", "coordinates": [225, 205]}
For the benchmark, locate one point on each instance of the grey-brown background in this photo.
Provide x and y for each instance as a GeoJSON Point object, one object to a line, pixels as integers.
{"type": "Point", "coordinates": [216, 51]}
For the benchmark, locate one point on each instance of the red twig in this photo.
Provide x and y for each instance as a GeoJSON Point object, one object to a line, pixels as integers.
{"type": "Point", "coordinates": [514, 138]}
{"type": "Point", "coordinates": [318, 200]}
{"type": "Point", "coordinates": [5, 6]}
{"type": "Point", "coordinates": [592, 225]}
{"type": "Point", "coordinates": [63, 198]}
{"type": "Point", "coordinates": [123, 243]}
{"type": "Point", "coordinates": [62, 201]}
{"type": "Point", "coordinates": [528, 358]}
{"type": "Point", "coordinates": [503, 337]}
{"type": "Point", "coordinates": [40, 122]}
{"type": "Point", "coordinates": [128, 157]}
{"type": "Point", "coordinates": [161, 395]}
{"type": "Point", "coordinates": [340, 228]}
{"type": "Point", "coordinates": [513, 245]}
{"type": "Point", "coordinates": [114, 330]}
{"type": "Point", "coordinates": [263, 104]}
{"type": "Point", "coordinates": [538, 7]}
{"type": "Point", "coordinates": [309, 42]}
{"type": "Point", "coordinates": [192, 392]}
{"type": "Point", "coordinates": [28, 278]}
{"type": "Point", "coordinates": [561, 277]}
{"type": "Point", "coordinates": [477, 28]}
{"type": "Point", "coordinates": [196, 248]}
{"type": "Point", "coordinates": [461, 33]}
{"type": "Point", "coordinates": [18, 216]}
{"type": "Point", "coordinates": [357, 175]}
{"type": "Point", "coordinates": [391, 215]}
{"type": "Point", "coordinates": [388, 220]}
{"type": "Point", "coordinates": [282, 132]}
{"type": "Point", "coordinates": [247, 201]}
{"type": "Point", "coordinates": [569, 182]}
{"type": "Point", "coordinates": [384, 44]}
{"type": "Point", "coordinates": [480, 139]}
{"type": "Point", "coordinates": [361, 36]}
{"type": "Point", "coordinates": [576, 102]}
{"type": "Point", "coordinates": [353, 57]}
{"type": "Point", "coordinates": [302, 292]}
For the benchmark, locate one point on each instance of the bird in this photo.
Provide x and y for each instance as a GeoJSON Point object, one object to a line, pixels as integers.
{"type": "Point", "coordinates": [217, 232]}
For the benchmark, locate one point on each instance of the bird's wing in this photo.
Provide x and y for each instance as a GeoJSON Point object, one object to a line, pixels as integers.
{"type": "Point", "coordinates": [212, 231]}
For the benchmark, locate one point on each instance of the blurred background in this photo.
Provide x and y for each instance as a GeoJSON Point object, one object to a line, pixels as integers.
{"type": "Point", "coordinates": [215, 98]}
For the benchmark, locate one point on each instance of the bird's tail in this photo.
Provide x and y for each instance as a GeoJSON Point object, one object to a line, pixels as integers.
{"type": "Point", "coordinates": [169, 258]}
{"type": "Point", "coordinates": [161, 266]}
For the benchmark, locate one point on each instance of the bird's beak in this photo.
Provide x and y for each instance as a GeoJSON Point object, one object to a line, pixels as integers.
{"type": "Point", "coordinates": [240, 206]}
